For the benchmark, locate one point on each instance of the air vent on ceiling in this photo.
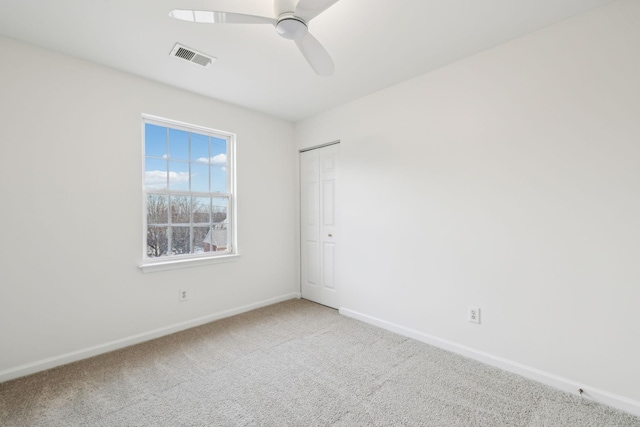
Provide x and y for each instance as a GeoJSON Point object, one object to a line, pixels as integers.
{"type": "Point", "coordinates": [191, 55]}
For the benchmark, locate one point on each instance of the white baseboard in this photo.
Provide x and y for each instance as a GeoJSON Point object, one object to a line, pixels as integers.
{"type": "Point", "coordinates": [602, 396]}
{"type": "Point", "coordinates": [63, 359]}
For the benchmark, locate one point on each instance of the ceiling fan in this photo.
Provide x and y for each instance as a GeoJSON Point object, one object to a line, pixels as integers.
{"type": "Point", "coordinates": [291, 22]}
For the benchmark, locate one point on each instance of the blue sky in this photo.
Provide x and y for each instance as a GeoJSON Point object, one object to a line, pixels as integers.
{"type": "Point", "coordinates": [170, 155]}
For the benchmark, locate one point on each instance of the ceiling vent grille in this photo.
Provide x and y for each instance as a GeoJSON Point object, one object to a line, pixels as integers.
{"type": "Point", "coordinates": [192, 55]}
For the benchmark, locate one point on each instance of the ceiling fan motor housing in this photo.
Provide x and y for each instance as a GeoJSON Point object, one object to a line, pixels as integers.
{"type": "Point", "coordinates": [291, 27]}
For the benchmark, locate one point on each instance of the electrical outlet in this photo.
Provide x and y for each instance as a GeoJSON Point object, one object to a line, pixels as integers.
{"type": "Point", "coordinates": [473, 314]}
{"type": "Point", "coordinates": [183, 296]}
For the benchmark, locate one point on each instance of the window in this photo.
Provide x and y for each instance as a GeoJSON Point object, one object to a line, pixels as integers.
{"type": "Point", "coordinates": [188, 192]}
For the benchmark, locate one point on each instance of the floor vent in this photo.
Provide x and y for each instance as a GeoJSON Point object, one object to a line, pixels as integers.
{"type": "Point", "coordinates": [191, 55]}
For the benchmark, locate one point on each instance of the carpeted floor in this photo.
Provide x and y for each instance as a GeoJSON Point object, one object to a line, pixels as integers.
{"type": "Point", "coordinates": [292, 364]}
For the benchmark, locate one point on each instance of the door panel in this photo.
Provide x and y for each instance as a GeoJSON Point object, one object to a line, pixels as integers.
{"type": "Point", "coordinates": [327, 264]}
{"type": "Point", "coordinates": [312, 263]}
{"type": "Point", "coordinates": [312, 202]}
{"type": "Point", "coordinates": [328, 202]}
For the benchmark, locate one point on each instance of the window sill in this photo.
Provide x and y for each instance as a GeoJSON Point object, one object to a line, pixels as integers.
{"type": "Point", "coordinates": [152, 267]}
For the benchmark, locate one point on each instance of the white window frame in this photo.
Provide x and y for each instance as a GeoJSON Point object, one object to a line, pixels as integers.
{"type": "Point", "coordinates": [151, 264]}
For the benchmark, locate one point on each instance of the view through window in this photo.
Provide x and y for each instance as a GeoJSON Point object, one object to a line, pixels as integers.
{"type": "Point", "coordinates": [187, 185]}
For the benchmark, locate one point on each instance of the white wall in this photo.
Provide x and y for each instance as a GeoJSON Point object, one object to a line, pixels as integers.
{"type": "Point", "coordinates": [510, 181]}
{"type": "Point", "coordinates": [71, 171]}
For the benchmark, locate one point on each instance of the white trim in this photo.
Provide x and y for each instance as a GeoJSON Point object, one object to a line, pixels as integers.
{"type": "Point", "coordinates": [188, 127]}
{"type": "Point", "coordinates": [63, 359]}
{"type": "Point", "coordinates": [602, 396]}
{"type": "Point", "coordinates": [172, 264]}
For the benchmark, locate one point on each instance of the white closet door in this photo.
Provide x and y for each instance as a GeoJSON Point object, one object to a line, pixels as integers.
{"type": "Point", "coordinates": [318, 224]}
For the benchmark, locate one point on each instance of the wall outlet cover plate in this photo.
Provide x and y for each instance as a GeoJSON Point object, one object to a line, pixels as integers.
{"type": "Point", "coordinates": [473, 314]}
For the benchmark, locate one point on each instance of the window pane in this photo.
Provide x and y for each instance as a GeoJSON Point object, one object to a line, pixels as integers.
{"type": "Point", "coordinates": [218, 145]}
{"type": "Point", "coordinates": [180, 240]}
{"type": "Point", "coordinates": [200, 243]}
{"type": "Point", "coordinates": [199, 148]}
{"type": "Point", "coordinates": [178, 144]}
{"type": "Point", "coordinates": [218, 165]}
{"type": "Point", "coordinates": [155, 140]}
{"type": "Point", "coordinates": [218, 179]}
{"type": "Point", "coordinates": [201, 210]}
{"type": "Point", "coordinates": [157, 242]}
{"type": "Point", "coordinates": [179, 176]}
{"type": "Point", "coordinates": [180, 209]}
{"type": "Point", "coordinates": [219, 210]}
{"type": "Point", "coordinates": [155, 174]}
{"type": "Point", "coordinates": [157, 209]}
{"type": "Point", "coordinates": [217, 238]}
{"type": "Point", "coordinates": [199, 178]}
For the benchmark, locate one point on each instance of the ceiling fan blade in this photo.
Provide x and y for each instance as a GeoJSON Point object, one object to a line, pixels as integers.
{"type": "Point", "coordinates": [316, 55]}
{"type": "Point", "coordinates": [215, 17]}
{"type": "Point", "coordinates": [309, 9]}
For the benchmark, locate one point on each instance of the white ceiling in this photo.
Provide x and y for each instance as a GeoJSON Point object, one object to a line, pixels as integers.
{"type": "Point", "coordinates": [374, 43]}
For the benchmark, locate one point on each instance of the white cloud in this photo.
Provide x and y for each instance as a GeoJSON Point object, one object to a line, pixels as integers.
{"type": "Point", "coordinates": [218, 160]}
{"type": "Point", "coordinates": [155, 177]}
{"type": "Point", "coordinates": [158, 179]}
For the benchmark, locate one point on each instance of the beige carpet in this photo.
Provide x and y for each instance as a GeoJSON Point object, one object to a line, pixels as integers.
{"type": "Point", "coordinates": [291, 364]}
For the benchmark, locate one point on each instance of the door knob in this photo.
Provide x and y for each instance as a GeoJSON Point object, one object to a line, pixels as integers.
{"type": "Point", "coordinates": [330, 235]}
